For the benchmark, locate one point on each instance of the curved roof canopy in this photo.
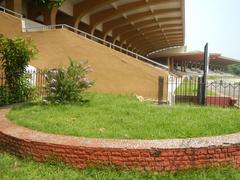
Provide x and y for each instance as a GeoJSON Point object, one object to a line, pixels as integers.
{"type": "Point", "coordinates": [196, 57]}
{"type": "Point", "coordinates": [143, 25]}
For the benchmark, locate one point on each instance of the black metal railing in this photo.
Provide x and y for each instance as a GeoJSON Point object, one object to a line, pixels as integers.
{"type": "Point", "coordinates": [219, 92]}
{"type": "Point", "coordinates": [35, 80]}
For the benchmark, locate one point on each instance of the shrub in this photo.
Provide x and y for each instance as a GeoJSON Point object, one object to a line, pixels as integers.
{"type": "Point", "coordinates": [24, 92]}
{"type": "Point", "coordinates": [15, 55]}
{"type": "Point", "coordinates": [67, 85]}
{"type": "Point", "coordinates": [4, 97]}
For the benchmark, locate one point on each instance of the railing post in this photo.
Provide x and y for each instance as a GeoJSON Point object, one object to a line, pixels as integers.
{"type": "Point", "coordinates": [136, 56]}
{"type": "Point", "coordinates": [205, 73]}
{"type": "Point", "coordinates": [199, 92]}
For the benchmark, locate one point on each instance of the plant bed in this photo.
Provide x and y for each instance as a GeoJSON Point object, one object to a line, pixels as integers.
{"type": "Point", "coordinates": [124, 117]}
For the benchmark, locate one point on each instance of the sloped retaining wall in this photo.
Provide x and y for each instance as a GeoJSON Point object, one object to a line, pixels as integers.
{"type": "Point", "coordinates": [157, 155]}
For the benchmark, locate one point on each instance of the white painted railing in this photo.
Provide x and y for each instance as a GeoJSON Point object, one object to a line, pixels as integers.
{"type": "Point", "coordinates": [88, 36]}
{"type": "Point", "coordinates": [5, 10]}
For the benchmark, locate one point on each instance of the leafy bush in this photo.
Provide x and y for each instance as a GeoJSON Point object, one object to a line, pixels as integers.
{"type": "Point", "coordinates": [15, 55]}
{"type": "Point", "coordinates": [4, 97]}
{"type": "Point", "coordinates": [67, 85]}
{"type": "Point", "coordinates": [25, 92]}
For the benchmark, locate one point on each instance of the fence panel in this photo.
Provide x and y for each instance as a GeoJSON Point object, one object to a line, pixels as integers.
{"type": "Point", "coordinates": [218, 92]}
{"type": "Point", "coordinates": [223, 93]}
{"type": "Point", "coordinates": [35, 78]}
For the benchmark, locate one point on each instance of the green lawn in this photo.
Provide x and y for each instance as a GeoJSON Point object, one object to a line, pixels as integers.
{"type": "Point", "coordinates": [119, 116]}
{"type": "Point", "coordinates": [187, 88]}
{"type": "Point", "coordinates": [190, 88]}
{"type": "Point", "coordinates": [26, 169]}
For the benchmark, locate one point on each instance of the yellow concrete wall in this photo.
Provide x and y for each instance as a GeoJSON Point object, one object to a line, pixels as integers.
{"type": "Point", "coordinates": [113, 71]}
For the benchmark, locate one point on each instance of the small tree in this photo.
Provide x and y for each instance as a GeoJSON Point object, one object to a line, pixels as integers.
{"type": "Point", "coordinates": [15, 55]}
{"type": "Point", "coordinates": [67, 85]}
{"type": "Point", "coordinates": [234, 69]}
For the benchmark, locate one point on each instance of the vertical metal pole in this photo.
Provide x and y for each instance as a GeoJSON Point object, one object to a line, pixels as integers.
{"type": "Point", "coordinates": [199, 88]}
{"type": "Point", "coordinates": [205, 72]}
{"type": "Point", "coordinates": [160, 89]}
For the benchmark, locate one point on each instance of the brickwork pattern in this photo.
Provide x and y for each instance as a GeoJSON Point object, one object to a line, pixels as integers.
{"type": "Point", "coordinates": [155, 155]}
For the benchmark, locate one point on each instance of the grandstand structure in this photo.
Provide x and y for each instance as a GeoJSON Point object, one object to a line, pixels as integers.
{"type": "Point", "coordinates": [129, 43]}
{"type": "Point", "coordinates": [141, 26]}
{"type": "Point", "coordinates": [192, 60]}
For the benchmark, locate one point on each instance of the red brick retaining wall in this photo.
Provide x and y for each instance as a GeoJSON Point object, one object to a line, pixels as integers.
{"type": "Point", "coordinates": [157, 155]}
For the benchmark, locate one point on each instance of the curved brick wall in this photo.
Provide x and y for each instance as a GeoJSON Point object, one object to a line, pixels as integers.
{"type": "Point", "coordinates": [158, 155]}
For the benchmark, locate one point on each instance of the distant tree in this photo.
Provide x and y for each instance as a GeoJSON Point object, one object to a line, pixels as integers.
{"type": "Point", "coordinates": [234, 69]}
{"type": "Point", "coordinates": [50, 3]}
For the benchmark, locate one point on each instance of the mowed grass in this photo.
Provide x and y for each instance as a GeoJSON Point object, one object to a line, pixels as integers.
{"type": "Point", "coordinates": [26, 169]}
{"type": "Point", "coordinates": [120, 116]}
{"type": "Point", "coordinates": [190, 88]}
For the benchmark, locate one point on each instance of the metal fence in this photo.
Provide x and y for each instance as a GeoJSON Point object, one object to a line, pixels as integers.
{"type": "Point", "coordinates": [35, 79]}
{"type": "Point", "coordinates": [219, 92]}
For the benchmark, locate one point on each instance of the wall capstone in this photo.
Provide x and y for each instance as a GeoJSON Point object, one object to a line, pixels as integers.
{"type": "Point", "coordinates": [155, 155]}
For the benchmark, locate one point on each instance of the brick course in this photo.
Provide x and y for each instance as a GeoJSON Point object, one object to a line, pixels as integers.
{"type": "Point", "coordinates": [156, 155]}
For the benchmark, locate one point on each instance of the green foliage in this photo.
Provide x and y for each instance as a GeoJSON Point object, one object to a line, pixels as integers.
{"type": "Point", "coordinates": [24, 92]}
{"type": "Point", "coordinates": [25, 89]}
{"type": "Point", "coordinates": [67, 85]}
{"type": "Point", "coordinates": [50, 3]}
{"type": "Point", "coordinates": [4, 97]}
{"type": "Point", "coordinates": [15, 55]}
{"type": "Point", "coordinates": [234, 69]}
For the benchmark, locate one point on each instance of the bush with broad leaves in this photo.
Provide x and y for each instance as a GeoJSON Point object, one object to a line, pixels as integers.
{"type": "Point", "coordinates": [66, 85]}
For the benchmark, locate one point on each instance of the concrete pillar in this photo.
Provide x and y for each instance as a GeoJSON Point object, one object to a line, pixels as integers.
{"type": "Point", "coordinates": [195, 65]}
{"type": "Point", "coordinates": [170, 63]}
{"type": "Point", "coordinates": [49, 15]}
{"type": "Point", "coordinates": [176, 65]}
{"type": "Point", "coordinates": [163, 89]}
{"type": "Point", "coordinates": [191, 64]}
{"type": "Point", "coordinates": [14, 5]}
{"type": "Point", "coordinates": [219, 68]}
{"type": "Point", "coordinates": [187, 64]}
{"type": "Point", "coordinates": [184, 66]}
{"type": "Point", "coordinates": [212, 68]}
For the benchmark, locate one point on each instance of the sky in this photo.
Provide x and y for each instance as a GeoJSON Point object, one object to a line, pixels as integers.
{"type": "Point", "coordinates": [216, 22]}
